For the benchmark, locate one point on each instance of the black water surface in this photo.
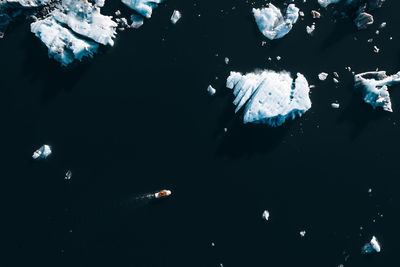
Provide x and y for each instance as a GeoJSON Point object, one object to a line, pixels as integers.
{"type": "Point", "coordinates": [137, 118]}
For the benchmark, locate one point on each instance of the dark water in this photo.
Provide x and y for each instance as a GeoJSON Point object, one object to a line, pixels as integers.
{"type": "Point", "coordinates": [137, 119]}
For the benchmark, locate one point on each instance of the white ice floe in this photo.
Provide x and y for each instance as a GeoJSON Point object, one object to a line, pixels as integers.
{"type": "Point", "coordinates": [42, 153]}
{"type": "Point", "coordinates": [322, 76]}
{"type": "Point", "coordinates": [374, 88]}
{"type": "Point", "coordinates": [143, 7]}
{"type": "Point", "coordinates": [85, 19]}
{"type": "Point", "coordinates": [176, 15]}
{"type": "Point", "coordinates": [67, 29]}
{"type": "Point", "coordinates": [265, 215]}
{"type": "Point", "coordinates": [335, 105]}
{"type": "Point", "coordinates": [372, 247]}
{"type": "Point", "coordinates": [270, 97]}
{"type": "Point", "coordinates": [271, 22]}
{"type": "Point", "coordinates": [302, 233]}
{"type": "Point", "coordinates": [310, 29]}
{"type": "Point", "coordinates": [63, 45]}
{"type": "Point", "coordinates": [325, 3]}
{"type": "Point", "coordinates": [211, 90]}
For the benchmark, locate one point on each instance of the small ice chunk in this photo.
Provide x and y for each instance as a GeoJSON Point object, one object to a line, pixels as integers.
{"type": "Point", "coordinates": [278, 58]}
{"type": "Point", "coordinates": [117, 13]}
{"type": "Point", "coordinates": [137, 21]}
{"type": "Point", "coordinates": [226, 60]}
{"type": "Point", "coordinates": [322, 76]}
{"type": "Point", "coordinates": [315, 14]}
{"type": "Point", "coordinates": [176, 15]}
{"type": "Point", "coordinates": [302, 233]}
{"type": "Point", "coordinates": [374, 88]}
{"type": "Point", "coordinates": [271, 22]}
{"type": "Point", "coordinates": [68, 175]}
{"type": "Point", "coordinates": [383, 25]}
{"type": "Point", "coordinates": [335, 105]}
{"type": "Point", "coordinates": [372, 247]}
{"type": "Point", "coordinates": [376, 49]}
{"type": "Point", "coordinates": [269, 97]}
{"type": "Point", "coordinates": [335, 80]}
{"type": "Point", "coordinates": [265, 215]}
{"type": "Point", "coordinates": [42, 153]}
{"type": "Point", "coordinates": [310, 29]}
{"type": "Point", "coordinates": [211, 90]}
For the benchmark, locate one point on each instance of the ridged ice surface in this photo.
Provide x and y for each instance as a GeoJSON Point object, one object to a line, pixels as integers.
{"type": "Point", "coordinates": [374, 88]}
{"type": "Point", "coordinates": [269, 97]}
{"type": "Point", "coordinates": [74, 30]}
{"type": "Point", "coordinates": [63, 45]}
{"type": "Point", "coordinates": [271, 22]}
{"type": "Point", "coordinates": [85, 19]}
{"type": "Point", "coordinates": [143, 7]}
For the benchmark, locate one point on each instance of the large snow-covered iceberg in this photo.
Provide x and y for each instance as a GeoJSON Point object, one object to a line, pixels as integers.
{"type": "Point", "coordinates": [143, 7]}
{"type": "Point", "coordinates": [271, 22]}
{"type": "Point", "coordinates": [270, 97]}
{"type": "Point", "coordinates": [74, 30]}
{"type": "Point", "coordinates": [374, 88]}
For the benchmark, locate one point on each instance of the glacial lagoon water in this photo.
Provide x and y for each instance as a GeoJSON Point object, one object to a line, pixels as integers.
{"type": "Point", "coordinates": [138, 118]}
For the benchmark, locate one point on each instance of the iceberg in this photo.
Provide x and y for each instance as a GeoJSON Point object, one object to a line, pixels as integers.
{"type": "Point", "coordinates": [176, 15]}
{"type": "Point", "coordinates": [74, 29]}
{"type": "Point", "coordinates": [374, 88]}
{"type": "Point", "coordinates": [270, 97]}
{"type": "Point", "coordinates": [63, 45]}
{"type": "Point", "coordinates": [42, 153]}
{"type": "Point", "coordinates": [372, 247]}
{"type": "Point", "coordinates": [271, 22]}
{"type": "Point", "coordinates": [137, 21]}
{"type": "Point", "coordinates": [85, 19]}
{"type": "Point", "coordinates": [143, 7]}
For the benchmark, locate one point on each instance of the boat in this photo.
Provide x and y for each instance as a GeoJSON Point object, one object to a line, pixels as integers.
{"type": "Point", "coordinates": [162, 194]}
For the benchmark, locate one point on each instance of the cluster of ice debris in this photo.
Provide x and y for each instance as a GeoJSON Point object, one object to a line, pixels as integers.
{"type": "Point", "coordinates": [374, 88]}
{"type": "Point", "coordinates": [358, 9]}
{"type": "Point", "coordinates": [272, 23]}
{"type": "Point", "coordinates": [271, 97]}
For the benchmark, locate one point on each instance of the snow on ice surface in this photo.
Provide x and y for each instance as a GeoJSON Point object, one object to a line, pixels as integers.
{"type": "Point", "coordinates": [66, 30]}
{"type": "Point", "coordinates": [143, 7]}
{"type": "Point", "coordinates": [43, 152]}
{"type": "Point", "coordinates": [270, 97]}
{"type": "Point", "coordinates": [371, 247]}
{"type": "Point", "coordinates": [271, 22]}
{"type": "Point", "coordinates": [325, 3]}
{"type": "Point", "coordinates": [85, 19]}
{"type": "Point", "coordinates": [63, 45]}
{"type": "Point", "coordinates": [374, 88]}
